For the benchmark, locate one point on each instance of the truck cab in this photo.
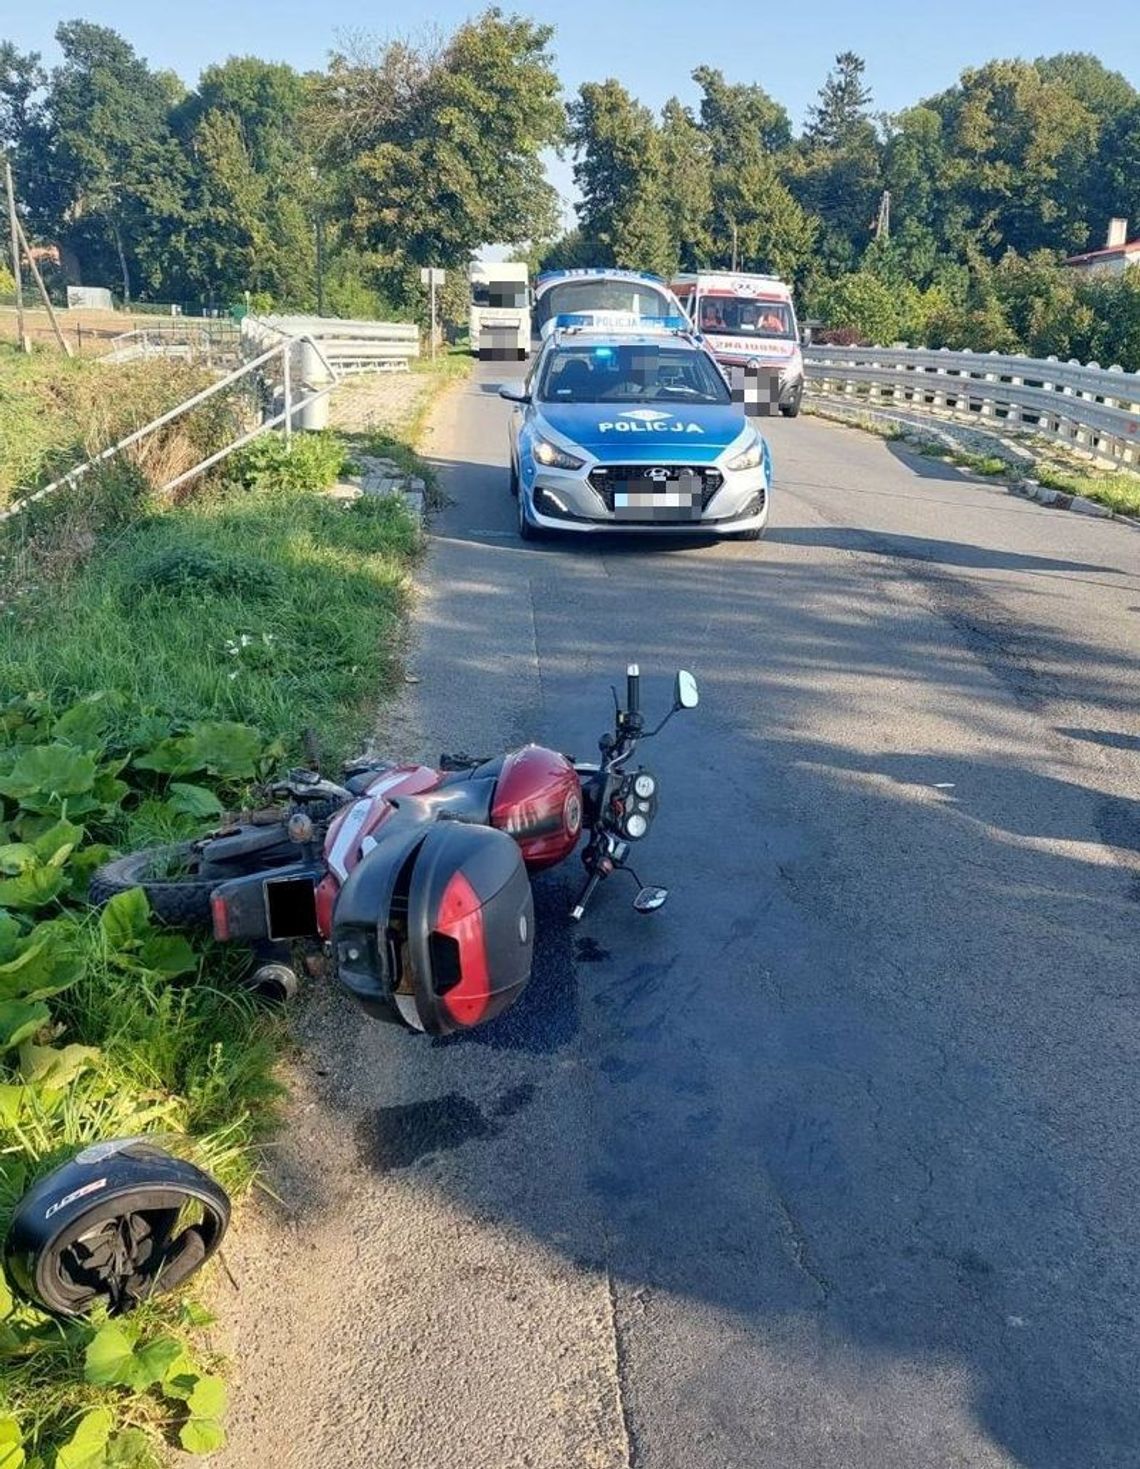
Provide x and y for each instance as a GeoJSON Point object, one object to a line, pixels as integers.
{"type": "Point", "coordinates": [500, 310]}
{"type": "Point", "coordinates": [747, 319]}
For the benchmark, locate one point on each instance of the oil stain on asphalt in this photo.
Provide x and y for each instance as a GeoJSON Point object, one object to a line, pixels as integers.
{"type": "Point", "coordinates": [392, 1138]}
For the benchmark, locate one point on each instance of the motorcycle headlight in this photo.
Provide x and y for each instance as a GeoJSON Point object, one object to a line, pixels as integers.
{"type": "Point", "coordinates": [553, 457]}
{"type": "Point", "coordinates": [751, 457]}
{"type": "Point", "coordinates": [636, 825]}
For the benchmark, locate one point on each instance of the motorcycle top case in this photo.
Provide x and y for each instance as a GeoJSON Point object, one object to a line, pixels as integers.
{"type": "Point", "coordinates": [434, 929]}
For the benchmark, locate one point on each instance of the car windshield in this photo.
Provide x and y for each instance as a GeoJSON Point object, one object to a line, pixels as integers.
{"type": "Point", "coordinates": [746, 316]}
{"type": "Point", "coordinates": [648, 373]}
{"type": "Point", "coordinates": [640, 298]}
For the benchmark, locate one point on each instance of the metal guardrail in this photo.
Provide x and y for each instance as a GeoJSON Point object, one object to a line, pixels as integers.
{"type": "Point", "coordinates": [1096, 409]}
{"type": "Point", "coordinates": [212, 342]}
{"type": "Point", "coordinates": [348, 346]}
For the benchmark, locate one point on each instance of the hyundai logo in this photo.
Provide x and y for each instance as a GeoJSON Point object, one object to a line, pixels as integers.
{"type": "Point", "coordinates": [659, 476]}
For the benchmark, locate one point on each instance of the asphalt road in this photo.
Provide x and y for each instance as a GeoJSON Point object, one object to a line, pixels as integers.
{"type": "Point", "coordinates": [833, 1162]}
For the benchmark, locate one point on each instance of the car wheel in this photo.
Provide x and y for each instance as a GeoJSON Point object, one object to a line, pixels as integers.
{"type": "Point", "coordinates": [527, 532]}
{"type": "Point", "coordinates": [514, 478]}
{"type": "Point", "coordinates": [792, 409]}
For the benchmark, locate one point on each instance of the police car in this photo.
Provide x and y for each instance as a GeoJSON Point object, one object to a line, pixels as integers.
{"type": "Point", "coordinates": [633, 430]}
{"type": "Point", "coordinates": [605, 295]}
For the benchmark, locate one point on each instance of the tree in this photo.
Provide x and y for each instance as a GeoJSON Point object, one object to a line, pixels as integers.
{"type": "Point", "coordinates": [840, 115]}
{"type": "Point", "coordinates": [686, 158]}
{"type": "Point", "coordinates": [773, 233]}
{"type": "Point", "coordinates": [252, 197]}
{"type": "Point", "coordinates": [112, 182]}
{"type": "Point", "coordinates": [438, 152]}
{"type": "Point", "coordinates": [739, 120]}
{"type": "Point", "coordinates": [619, 168]}
{"type": "Point", "coordinates": [1019, 148]}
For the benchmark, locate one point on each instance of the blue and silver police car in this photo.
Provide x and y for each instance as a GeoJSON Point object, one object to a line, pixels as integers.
{"type": "Point", "coordinates": [634, 430]}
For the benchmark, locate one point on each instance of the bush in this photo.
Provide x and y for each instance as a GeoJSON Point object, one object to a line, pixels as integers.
{"type": "Point", "coordinates": [307, 461]}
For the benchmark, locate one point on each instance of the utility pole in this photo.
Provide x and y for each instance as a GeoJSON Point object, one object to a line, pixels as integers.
{"type": "Point", "coordinates": [734, 246]}
{"type": "Point", "coordinates": [39, 280]}
{"type": "Point", "coordinates": [320, 261]}
{"type": "Point", "coordinates": [432, 276]}
{"type": "Point", "coordinates": [883, 222]}
{"type": "Point", "coordinates": [14, 228]}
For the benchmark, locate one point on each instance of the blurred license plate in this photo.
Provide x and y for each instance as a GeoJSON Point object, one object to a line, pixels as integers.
{"type": "Point", "coordinates": [676, 498]}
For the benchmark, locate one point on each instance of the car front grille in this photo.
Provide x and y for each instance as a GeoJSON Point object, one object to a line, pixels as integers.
{"type": "Point", "coordinates": [606, 478]}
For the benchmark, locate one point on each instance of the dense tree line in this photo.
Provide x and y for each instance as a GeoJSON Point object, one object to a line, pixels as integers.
{"type": "Point", "coordinates": [407, 154]}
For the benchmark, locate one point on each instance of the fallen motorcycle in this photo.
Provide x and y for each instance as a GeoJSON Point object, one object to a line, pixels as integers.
{"type": "Point", "coordinates": [414, 881]}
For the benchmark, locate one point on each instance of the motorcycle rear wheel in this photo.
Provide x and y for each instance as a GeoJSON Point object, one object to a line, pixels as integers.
{"type": "Point", "coordinates": [182, 901]}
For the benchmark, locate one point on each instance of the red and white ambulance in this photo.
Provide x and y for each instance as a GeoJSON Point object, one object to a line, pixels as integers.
{"type": "Point", "coordinates": [747, 318]}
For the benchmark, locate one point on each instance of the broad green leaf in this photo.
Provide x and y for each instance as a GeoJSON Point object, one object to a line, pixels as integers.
{"type": "Point", "coordinates": [53, 1067]}
{"type": "Point", "coordinates": [202, 1435]}
{"type": "Point", "coordinates": [167, 953]}
{"type": "Point", "coordinates": [47, 965]}
{"type": "Point", "coordinates": [54, 770]}
{"type": "Point", "coordinates": [108, 790]}
{"type": "Point", "coordinates": [19, 1021]}
{"type": "Point", "coordinates": [130, 1448]}
{"type": "Point", "coordinates": [208, 1400]}
{"type": "Point", "coordinates": [16, 856]}
{"type": "Point", "coordinates": [228, 750]}
{"type": "Point", "coordinates": [168, 757]}
{"type": "Point", "coordinates": [181, 1380]}
{"type": "Point", "coordinates": [155, 1360]}
{"type": "Point", "coordinates": [11, 1444]}
{"type": "Point", "coordinates": [196, 1315]}
{"type": "Point", "coordinates": [126, 919]}
{"type": "Point", "coordinates": [61, 836]}
{"type": "Point", "coordinates": [193, 800]}
{"type": "Point", "coordinates": [86, 1448]}
{"type": "Point", "coordinates": [12, 1100]}
{"type": "Point", "coordinates": [110, 1356]}
{"type": "Point", "coordinates": [10, 933]}
{"type": "Point", "coordinates": [83, 724]}
{"type": "Point", "coordinates": [35, 887]}
{"type": "Point", "coordinates": [6, 1300]}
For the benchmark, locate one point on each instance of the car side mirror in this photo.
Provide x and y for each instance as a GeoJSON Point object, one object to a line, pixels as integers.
{"type": "Point", "coordinates": [514, 393]}
{"type": "Point", "coordinates": [685, 695]}
{"type": "Point", "coordinates": [805, 336]}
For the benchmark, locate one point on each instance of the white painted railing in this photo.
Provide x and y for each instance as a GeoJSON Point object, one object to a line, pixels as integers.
{"type": "Point", "coordinates": [1096, 409]}
{"type": "Point", "coordinates": [290, 378]}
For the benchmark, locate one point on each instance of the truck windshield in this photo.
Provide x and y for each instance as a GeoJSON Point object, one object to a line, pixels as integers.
{"type": "Point", "coordinates": [639, 298]}
{"type": "Point", "coordinates": [631, 374]}
{"type": "Point", "coordinates": [745, 316]}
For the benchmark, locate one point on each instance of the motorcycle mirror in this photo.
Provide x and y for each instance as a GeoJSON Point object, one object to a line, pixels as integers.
{"type": "Point", "coordinates": [686, 695]}
{"type": "Point", "coordinates": [649, 900]}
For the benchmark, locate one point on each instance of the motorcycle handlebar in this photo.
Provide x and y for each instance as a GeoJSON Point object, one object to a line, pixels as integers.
{"type": "Point", "coordinates": [633, 689]}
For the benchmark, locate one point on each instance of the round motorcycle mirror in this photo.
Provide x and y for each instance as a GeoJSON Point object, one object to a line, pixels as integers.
{"type": "Point", "coordinates": [686, 696]}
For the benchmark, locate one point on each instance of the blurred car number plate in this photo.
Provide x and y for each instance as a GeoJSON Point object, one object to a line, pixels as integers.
{"type": "Point", "coordinates": [676, 496]}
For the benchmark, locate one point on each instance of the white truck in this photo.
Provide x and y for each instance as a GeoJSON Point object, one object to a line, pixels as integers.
{"type": "Point", "coordinates": [747, 318]}
{"type": "Point", "coordinates": [500, 310]}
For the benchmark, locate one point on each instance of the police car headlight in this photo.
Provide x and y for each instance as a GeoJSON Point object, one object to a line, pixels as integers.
{"type": "Point", "coordinates": [553, 457]}
{"type": "Point", "coordinates": [751, 457]}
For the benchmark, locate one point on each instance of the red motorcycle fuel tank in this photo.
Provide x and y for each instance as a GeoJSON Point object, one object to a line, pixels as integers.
{"type": "Point", "coordinates": [538, 801]}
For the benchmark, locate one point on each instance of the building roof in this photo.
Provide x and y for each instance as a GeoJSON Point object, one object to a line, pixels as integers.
{"type": "Point", "coordinates": [1105, 253]}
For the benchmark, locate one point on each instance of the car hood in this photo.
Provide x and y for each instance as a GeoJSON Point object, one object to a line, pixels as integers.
{"type": "Point", "coordinates": [623, 431]}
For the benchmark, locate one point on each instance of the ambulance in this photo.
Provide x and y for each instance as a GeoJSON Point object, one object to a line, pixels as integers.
{"type": "Point", "coordinates": [747, 319]}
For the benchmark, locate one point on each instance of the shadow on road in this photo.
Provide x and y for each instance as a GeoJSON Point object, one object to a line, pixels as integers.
{"type": "Point", "coordinates": [863, 1096]}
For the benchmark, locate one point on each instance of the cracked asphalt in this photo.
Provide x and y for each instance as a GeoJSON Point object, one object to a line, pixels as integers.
{"type": "Point", "coordinates": [833, 1162]}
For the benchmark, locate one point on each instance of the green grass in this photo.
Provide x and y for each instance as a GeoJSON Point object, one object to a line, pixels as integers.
{"type": "Point", "coordinates": [262, 603]}
{"type": "Point", "coordinates": [1120, 491]}
{"type": "Point", "coordinates": [309, 592]}
{"type": "Point", "coordinates": [56, 412]}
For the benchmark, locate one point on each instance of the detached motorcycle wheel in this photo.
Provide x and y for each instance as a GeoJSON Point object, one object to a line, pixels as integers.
{"type": "Point", "coordinates": [183, 902]}
{"type": "Point", "coordinates": [122, 1222]}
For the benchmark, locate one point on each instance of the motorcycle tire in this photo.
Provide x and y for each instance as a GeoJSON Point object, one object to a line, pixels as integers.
{"type": "Point", "coordinates": [182, 902]}
{"type": "Point", "coordinates": [122, 1222]}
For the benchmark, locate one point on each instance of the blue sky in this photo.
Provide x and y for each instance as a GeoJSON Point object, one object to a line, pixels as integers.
{"type": "Point", "coordinates": [912, 48]}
